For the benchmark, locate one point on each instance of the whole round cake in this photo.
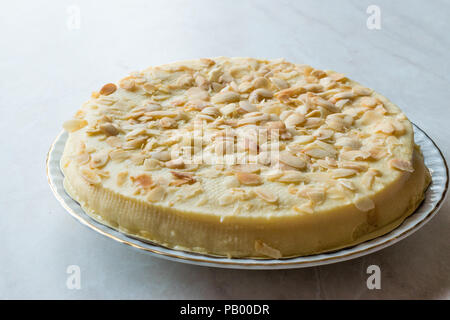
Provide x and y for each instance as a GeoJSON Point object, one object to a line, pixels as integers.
{"type": "Point", "coordinates": [243, 157]}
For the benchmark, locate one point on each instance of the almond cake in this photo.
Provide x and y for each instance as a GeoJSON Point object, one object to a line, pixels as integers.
{"type": "Point", "coordinates": [243, 157]}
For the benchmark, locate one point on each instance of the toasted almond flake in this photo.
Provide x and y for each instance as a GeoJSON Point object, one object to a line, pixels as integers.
{"type": "Point", "coordinates": [144, 180]}
{"type": "Point", "coordinates": [266, 195]}
{"type": "Point", "coordinates": [160, 155]}
{"type": "Point", "coordinates": [291, 160]}
{"type": "Point", "coordinates": [318, 153]}
{"type": "Point", "coordinates": [364, 204]}
{"type": "Point", "coordinates": [371, 116]}
{"type": "Point", "coordinates": [292, 176]}
{"type": "Point", "coordinates": [82, 158]}
{"type": "Point", "coordinates": [187, 177]}
{"type": "Point", "coordinates": [304, 208]}
{"type": "Point", "coordinates": [260, 82]}
{"type": "Point", "coordinates": [249, 179]}
{"type": "Point", "coordinates": [121, 178]}
{"type": "Point", "coordinates": [369, 102]}
{"type": "Point", "coordinates": [266, 250]}
{"type": "Point", "coordinates": [402, 165]}
{"type": "Point", "coordinates": [167, 123]}
{"type": "Point", "coordinates": [361, 91]}
{"type": "Point", "coordinates": [175, 163]}
{"type": "Point", "coordinates": [325, 103]}
{"type": "Point", "coordinates": [226, 97]}
{"type": "Point", "coordinates": [343, 173]}
{"type": "Point", "coordinates": [354, 155]}
{"type": "Point", "coordinates": [107, 89]}
{"type": "Point", "coordinates": [109, 129]}
{"type": "Point", "coordinates": [134, 143]}
{"type": "Point", "coordinates": [74, 125]}
{"type": "Point", "coordinates": [385, 127]}
{"type": "Point", "coordinates": [280, 83]}
{"type": "Point", "coordinates": [289, 93]}
{"type": "Point", "coordinates": [347, 142]}
{"type": "Point", "coordinates": [99, 160]}
{"type": "Point", "coordinates": [127, 84]}
{"type": "Point", "coordinates": [245, 107]}
{"type": "Point", "coordinates": [294, 119]}
{"type": "Point", "coordinates": [228, 109]}
{"type": "Point", "coordinates": [369, 178]}
{"type": "Point", "coordinates": [151, 164]}
{"type": "Point", "coordinates": [90, 176]}
{"type": "Point", "coordinates": [156, 194]}
{"type": "Point", "coordinates": [119, 155]}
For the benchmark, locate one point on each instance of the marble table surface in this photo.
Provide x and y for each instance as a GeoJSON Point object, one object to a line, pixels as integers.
{"type": "Point", "coordinates": [54, 53]}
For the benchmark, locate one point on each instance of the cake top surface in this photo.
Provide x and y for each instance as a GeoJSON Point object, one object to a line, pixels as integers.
{"type": "Point", "coordinates": [253, 137]}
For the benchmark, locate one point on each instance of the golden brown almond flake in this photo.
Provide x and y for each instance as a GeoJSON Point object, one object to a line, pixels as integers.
{"type": "Point", "coordinates": [144, 180]}
{"type": "Point", "coordinates": [90, 176]}
{"type": "Point", "coordinates": [122, 178]}
{"type": "Point", "coordinates": [108, 89]}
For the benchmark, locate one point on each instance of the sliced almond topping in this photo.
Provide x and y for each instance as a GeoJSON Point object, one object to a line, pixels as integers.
{"type": "Point", "coordinates": [74, 125]}
{"type": "Point", "coordinates": [364, 204]}
{"type": "Point", "coordinates": [121, 178]}
{"type": "Point", "coordinates": [226, 97]}
{"type": "Point", "coordinates": [402, 165]}
{"type": "Point", "coordinates": [266, 250]}
{"type": "Point", "coordinates": [156, 194]}
{"type": "Point", "coordinates": [354, 155]}
{"type": "Point", "coordinates": [292, 176]}
{"type": "Point", "coordinates": [343, 173]}
{"type": "Point", "coordinates": [167, 123]}
{"type": "Point", "coordinates": [182, 178]}
{"type": "Point", "coordinates": [369, 102]}
{"type": "Point", "coordinates": [99, 160]}
{"type": "Point", "coordinates": [369, 178]}
{"type": "Point", "coordinates": [109, 129]}
{"type": "Point", "coordinates": [291, 160]}
{"type": "Point", "coordinates": [151, 164]}
{"type": "Point", "coordinates": [249, 179]}
{"type": "Point", "coordinates": [119, 155]}
{"type": "Point", "coordinates": [266, 195]}
{"type": "Point", "coordinates": [107, 89]}
{"type": "Point", "coordinates": [143, 180]}
{"type": "Point", "coordinates": [90, 176]}
{"type": "Point", "coordinates": [160, 155]}
{"type": "Point", "coordinates": [127, 84]}
{"type": "Point", "coordinates": [294, 119]}
{"type": "Point", "coordinates": [175, 163]}
{"type": "Point", "coordinates": [304, 208]}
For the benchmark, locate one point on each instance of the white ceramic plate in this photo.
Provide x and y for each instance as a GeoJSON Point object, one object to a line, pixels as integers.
{"type": "Point", "coordinates": [434, 198]}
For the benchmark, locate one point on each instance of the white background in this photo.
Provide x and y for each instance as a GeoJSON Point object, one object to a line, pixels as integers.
{"type": "Point", "coordinates": [47, 71]}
